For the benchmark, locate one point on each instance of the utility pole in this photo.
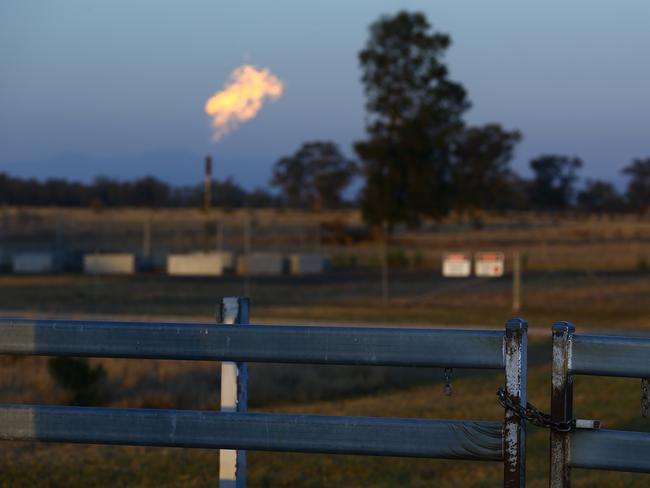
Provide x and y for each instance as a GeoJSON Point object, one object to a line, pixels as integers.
{"type": "Point", "coordinates": [146, 239]}
{"type": "Point", "coordinates": [384, 262]}
{"type": "Point", "coordinates": [3, 231]}
{"type": "Point", "coordinates": [516, 281]}
{"type": "Point", "coordinates": [60, 232]}
{"type": "Point", "coordinates": [318, 238]}
{"type": "Point", "coordinates": [207, 185]}
{"type": "Point", "coordinates": [247, 254]}
{"type": "Point", "coordinates": [207, 202]}
{"type": "Point", "coordinates": [220, 234]}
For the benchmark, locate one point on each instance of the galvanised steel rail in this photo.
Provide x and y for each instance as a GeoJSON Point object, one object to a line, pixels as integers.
{"type": "Point", "coordinates": [613, 450]}
{"type": "Point", "coordinates": [255, 343]}
{"type": "Point", "coordinates": [257, 431]}
{"type": "Point", "coordinates": [598, 355]}
{"type": "Point", "coordinates": [610, 356]}
{"type": "Point", "coordinates": [233, 430]}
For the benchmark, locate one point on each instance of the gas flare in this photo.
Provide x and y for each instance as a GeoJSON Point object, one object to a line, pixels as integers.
{"type": "Point", "coordinates": [241, 99]}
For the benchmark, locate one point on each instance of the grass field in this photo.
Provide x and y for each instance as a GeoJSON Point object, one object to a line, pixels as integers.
{"type": "Point", "coordinates": [612, 298]}
{"type": "Point", "coordinates": [606, 300]}
{"type": "Point", "coordinates": [546, 242]}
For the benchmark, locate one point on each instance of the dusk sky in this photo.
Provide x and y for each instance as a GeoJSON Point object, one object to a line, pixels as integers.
{"type": "Point", "coordinates": [118, 87]}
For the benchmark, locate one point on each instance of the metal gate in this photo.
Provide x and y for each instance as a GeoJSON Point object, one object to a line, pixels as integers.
{"type": "Point", "coordinates": [234, 430]}
{"type": "Point", "coordinates": [572, 446]}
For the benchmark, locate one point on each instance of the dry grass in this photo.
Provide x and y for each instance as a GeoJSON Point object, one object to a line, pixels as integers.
{"type": "Point", "coordinates": [548, 242]}
{"type": "Point", "coordinates": [592, 300]}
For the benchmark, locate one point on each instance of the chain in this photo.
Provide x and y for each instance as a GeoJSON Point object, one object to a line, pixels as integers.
{"type": "Point", "coordinates": [645, 397]}
{"type": "Point", "coordinates": [532, 414]}
{"type": "Point", "coordinates": [449, 374]}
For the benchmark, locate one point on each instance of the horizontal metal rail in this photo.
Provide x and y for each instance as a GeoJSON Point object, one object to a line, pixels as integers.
{"type": "Point", "coordinates": [613, 450]}
{"type": "Point", "coordinates": [255, 431]}
{"type": "Point", "coordinates": [255, 343]}
{"type": "Point", "coordinates": [610, 356]}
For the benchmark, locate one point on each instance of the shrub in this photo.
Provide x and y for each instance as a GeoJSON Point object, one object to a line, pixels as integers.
{"type": "Point", "coordinates": [85, 384]}
{"type": "Point", "coordinates": [397, 259]}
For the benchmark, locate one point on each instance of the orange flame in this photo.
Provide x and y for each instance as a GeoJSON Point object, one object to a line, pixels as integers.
{"type": "Point", "coordinates": [241, 98]}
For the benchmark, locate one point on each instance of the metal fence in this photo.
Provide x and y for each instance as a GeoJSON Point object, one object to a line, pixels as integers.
{"type": "Point", "coordinates": [577, 354]}
{"type": "Point", "coordinates": [234, 430]}
{"type": "Point", "coordinates": [235, 342]}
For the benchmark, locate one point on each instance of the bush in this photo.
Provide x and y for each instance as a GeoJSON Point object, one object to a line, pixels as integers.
{"type": "Point", "coordinates": [397, 259]}
{"type": "Point", "coordinates": [418, 260]}
{"type": "Point", "coordinates": [344, 261]}
{"type": "Point", "coordinates": [85, 384]}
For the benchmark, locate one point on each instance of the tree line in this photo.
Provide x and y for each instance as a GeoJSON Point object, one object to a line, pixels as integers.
{"type": "Point", "coordinates": [420, 159]}
{"type": "Point", "coordinates": [478, 184]}
{"type": "Point", "coordinates": [144, 192]}
{"type": "Point", "coordinates": [479, 179]}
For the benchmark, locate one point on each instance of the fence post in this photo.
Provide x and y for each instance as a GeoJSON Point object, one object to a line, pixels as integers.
{"type": "Point", "coordinates": [561, 403]}
{"type": "Point", "coordinates": [516, 281]}
{"type": "Point", "coordinates": [384, 262]}
{"type": "Point", "coordinates": [514, 428]}
{"type": "Point", "coordinates": [247, 253]}
{"type": "Point", "coordinates": [146, 239]}
{"type": "Point", "coordinates": [220, 234]}
{"type": "Point", "coordinates": [3, 222]}
{"type": "Point", "coordinates": [234, 394]}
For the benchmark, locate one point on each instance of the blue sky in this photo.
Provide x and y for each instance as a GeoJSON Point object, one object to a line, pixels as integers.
{"type": "Point", "coordinates": [117, 87]}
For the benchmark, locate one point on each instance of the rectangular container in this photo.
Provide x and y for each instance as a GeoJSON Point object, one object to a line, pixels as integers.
{"type": "Point", "coordinates": [195, 264]}
{"type": "Point", "coordinates": [109, 263]}
{"type": "Point", "coordinates": [34, 262]}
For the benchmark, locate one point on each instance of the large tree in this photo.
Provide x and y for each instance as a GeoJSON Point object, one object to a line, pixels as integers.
{"type": "Point", "coordinates": [414, 113]}
{"type": "Point", "coordinates": [481, 168]}
{"type": "Point", "coordinates": [315, 176]}
{"type": "Point", "coordinates": [554, 180]}
{"type": "Point", "coordinates": [638, 187]}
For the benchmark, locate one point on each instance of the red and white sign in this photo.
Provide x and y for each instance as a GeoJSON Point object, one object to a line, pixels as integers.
{"type": "Point", "coordinates": [456, 265]}
{"type": "Point", "coordinates": [488, 264]}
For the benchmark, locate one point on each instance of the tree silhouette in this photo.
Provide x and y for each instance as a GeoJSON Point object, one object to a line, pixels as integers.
{"type": "Point", "coordinates": [314, 176]}
{"type": "Point", "coordinates": [481, 168]}
{"type": "Point", "coordinates": [638, 188]}
{"type": "Point", "coordinates": [150, 192]}
{"type": "Point", "coordinates": [414, 112]}
{"type": "Point", "coordinates": [553, 186]}
{"type": "Point", "coordinates": [107, 192]}
{"type": "Point", "coordinates": [599, 197]}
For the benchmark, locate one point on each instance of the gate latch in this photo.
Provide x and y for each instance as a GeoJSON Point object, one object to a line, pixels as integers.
{"type": "Point", "coordinates": [587, 424]}
{"type": "Point", "coordinates": [536, 417]}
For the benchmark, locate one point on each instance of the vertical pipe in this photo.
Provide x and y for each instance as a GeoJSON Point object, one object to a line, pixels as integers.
{"type": "Point", "coordinates": [146, 238]}
{"type": "Point", "coordinates": [234, 394]}
{"type": "Point", "coordinates": [60, 231]}
{"type": "Point", "coordinates": [207, 185]}
{"type": "Point", "coordinates": [3, 231]}
{"type": "Point", "coordinates": [302, 233]}
{"type": "Point", "coordinates": [514, 429]}
{"type": "Point", "coordinates": [384, 262]}
{"type": "Point", "coordinates": [516, 281]}
{"type": "Point", "coordinates": [206, 234]}
{"type": "Point", "coordinates": [220, 235]}
{"type": "Point", "coordinates": [247, 255]}
{"type": "Point", "coordinates": [318, 237]}
{"type": "Point", "coordinates": [561, 403]}
{"type": "Point", "coordinates": [59, 253]}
